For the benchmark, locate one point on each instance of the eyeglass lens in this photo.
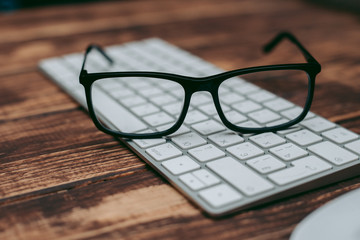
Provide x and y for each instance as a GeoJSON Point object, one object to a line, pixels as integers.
{"type": "Point", "coordinates": [264, 99]}
{"type": "Point", "coordinates": [144, 105]}
{"type": "Point", "coordinates": [137, 104]}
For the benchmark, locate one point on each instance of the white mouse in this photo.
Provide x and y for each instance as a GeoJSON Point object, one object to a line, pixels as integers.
{"type": "Point", "coordinates": [339, 219]}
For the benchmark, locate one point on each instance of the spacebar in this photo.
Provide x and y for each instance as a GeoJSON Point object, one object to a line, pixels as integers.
{"type": "Point", "coordinates": [240, 176]}
{"type": "Point", "coordinates": [115, 114]}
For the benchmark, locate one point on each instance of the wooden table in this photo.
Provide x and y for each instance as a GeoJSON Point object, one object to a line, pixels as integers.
{"type": "Point", "coordinates": [61, 178]}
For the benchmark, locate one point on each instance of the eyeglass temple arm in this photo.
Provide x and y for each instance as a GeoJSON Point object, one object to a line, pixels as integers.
{"type": "Point", "coordinates": [267, 48]}
{"type": "Point", "coordinates": [270, 46]}
{"type": "Point", "coordinates": [100, 50]}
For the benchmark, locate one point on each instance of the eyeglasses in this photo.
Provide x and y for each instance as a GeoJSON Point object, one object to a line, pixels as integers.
{"type": "Point", "coordinates": [155, 104]}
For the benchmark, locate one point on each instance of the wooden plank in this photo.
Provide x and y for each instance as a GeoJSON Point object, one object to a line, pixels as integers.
{"type": "Point", "coordinates": [121, 14]}
{"type": "Point", "coordinates": [140, 206]}
{"type": "Point", "coordinates": [29, 44]}
{"type": "Point", "coordinates": [30, 94]}
{"type": "Point", "coordinates": [61, 178]}
{"type": "Point", "coordinates": [36, 46]}
{"type": "Point", "coordinates": [56, 149]}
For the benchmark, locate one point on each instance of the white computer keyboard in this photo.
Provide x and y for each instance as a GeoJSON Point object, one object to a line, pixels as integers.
{"type": "Point", "coordinates": [219, 170]}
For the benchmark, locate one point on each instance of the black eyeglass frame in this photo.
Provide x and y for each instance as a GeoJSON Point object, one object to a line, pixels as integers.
{"type": "Point", "coordinates": [210, 84]}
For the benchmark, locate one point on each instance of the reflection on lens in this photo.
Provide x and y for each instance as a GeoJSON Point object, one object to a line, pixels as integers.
{"type": "Point", "coordinates": [267, 98]}
{"type": "Point", "coordinates": [136, 104]}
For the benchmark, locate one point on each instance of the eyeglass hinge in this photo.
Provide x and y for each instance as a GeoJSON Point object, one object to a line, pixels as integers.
{"type": "Point", "coordinates": [83, 74]}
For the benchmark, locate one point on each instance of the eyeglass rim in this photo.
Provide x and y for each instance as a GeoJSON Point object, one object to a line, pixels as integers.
{"type": "Point", "coordinates": [312, 67]}
{"type": "Point", "coordinates": [190, 85]}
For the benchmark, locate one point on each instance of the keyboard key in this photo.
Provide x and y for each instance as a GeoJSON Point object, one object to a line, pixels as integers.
{"type": "Point", "coordinates": [287, 130]}
{"type": "Point", "coordinates": [230, 98]}
{"type": "Point", "coordinates": [121, 93]}
{"type": "Point", "coordinates": [233, 116]}
{"type": "Point", "coordinates": [210, 109]}
{"type": "Point", "coordinates": [208, 127]}
{"type": "Point", "coordinates": [183, 129]}
{"type": "Point", "coordinates": [267, 140]}
{"type": "Point", "coordinates": [132, 101]}
{"type": "Point", "coordinates": [318, 124]}
{"type": "Point", "coordinates": [191, 181]}
{"type": "Point", "coordinates": [354, 146]}
{"type": "Point", "coordinates": [340, 135]}
{"type": "Point", "coordinates": [174, 108]}
{"type": "Point", "coordinates": [302, 168]}
{"type": "Point", "coordinates": [288, 151]}
{"type": "Point", "coordinates": [68, 82]}
{"type": "Point", "coordinates": [246, 88]}
{"type": "Point", "coordinates": [163, 152]}
{"type": "Point", "coordinates": [194, 117]}
{"type": "Point", "coordinates": [264, 116]}
{"type": "Point", "coordinates": [220, 195]}
{"type": "Point", "coordinates": [158, 119]}
{"type": "Point", "coordinates": [304, 137]}
{"type": "Point", "coordinates": [266, 163]}
{"type": "Point", "coordinates": [146, 143]}
{"type": "Point", "coordinates": [245, 151]}
{"type": "Point", "coordinates": [241, 177]}
{"type": "Point", "coordinates": [232, 82]}
{"type": "Point", "coordinates": [293, 113]}
{"type": "Point", "coordinates": [249, 124]}
{"type": "Point", "coordinates": [137, 83]}
{"type": "Point", "coordinates": [226, 138]}
{"type": "Point", "coordinates": [180, 165]}
{"type": "Point", "coordinates": [79, 95]}
{"type": "Point", "coordinates": [261, 96]}
{"type": "Point", "coordinates": [246, 106]}
{"type": "Point", "coordinates": [333, 153]}
{"type": "Point", "coordinates": [168, 85]}
{"type": "Point", "coordinates": [278, 104]}
{"type": "Point", "coordinates": [206, 177]}
{"type": "Point", "coordinates": [206, 153]}
{"type": "Point", "coordinates": [189, 140]}
{"type": "Point", "coordinates": [75, 60]}
{"type": "Point", "coordinates": [200, 98]}
{"type": "Point", "coordinates": [55, 66]}
{"type": "Point", "coordinates": [120, 117]}
{"type": "Point", "coordinates": [110, 85]}
{"type": "Point", "coordinates": [145, 109]}
{"type": "Point", "coordinates": [147, 92]}
{"type": "Point", "coordinates": [178, 93]}
{"type": "Point", "coordinates": [163, 99]}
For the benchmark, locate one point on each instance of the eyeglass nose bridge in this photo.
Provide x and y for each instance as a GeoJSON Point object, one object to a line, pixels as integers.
{"type": "Point", "coordinates": [205, 85]}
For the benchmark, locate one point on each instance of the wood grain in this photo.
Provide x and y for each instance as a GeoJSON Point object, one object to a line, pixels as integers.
{"type": "Point", "coordinates": [61, 178]}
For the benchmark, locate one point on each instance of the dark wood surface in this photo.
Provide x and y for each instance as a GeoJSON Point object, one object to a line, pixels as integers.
{"type": "Point", "coordinates": [61, 178]}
